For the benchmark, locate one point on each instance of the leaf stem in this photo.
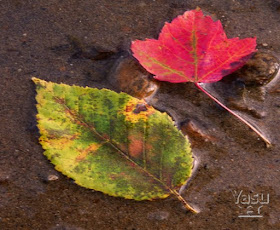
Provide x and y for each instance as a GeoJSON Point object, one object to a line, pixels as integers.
{"type": "Point", "coordinates": [180, 198]}
{"type": "Point", "coordinates": [268, 143]}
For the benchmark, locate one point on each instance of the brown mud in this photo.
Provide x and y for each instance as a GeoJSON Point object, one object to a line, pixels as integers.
{"type": "Point", "coordinates": [83, 43]}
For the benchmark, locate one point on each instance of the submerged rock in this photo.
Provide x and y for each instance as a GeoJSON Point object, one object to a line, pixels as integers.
{"type": "Point", "coordinates": [196, 132]}
{"type": "Point", "coordinates": [246, 88]}
{"type": "Point", "coordinates": [259, 70]}
{"type": "Point", "coordinates": [241, 105]}
{"type": "Point", "coordinates": [128, 76]}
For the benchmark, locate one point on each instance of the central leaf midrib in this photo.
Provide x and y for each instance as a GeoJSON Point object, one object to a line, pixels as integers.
{"type": "Point", "coordinates": [194, 51]}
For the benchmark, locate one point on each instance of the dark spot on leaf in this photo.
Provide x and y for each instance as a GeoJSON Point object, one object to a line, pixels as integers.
{"type": "Point", "coordinates": [139, 108]}
{"type": "Point", "coordinates": [226, 72]}
{"type": "Point", "coordinates": [235, 64]}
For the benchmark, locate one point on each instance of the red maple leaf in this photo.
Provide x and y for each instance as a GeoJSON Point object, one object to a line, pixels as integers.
{"type": "Point", "coordinates": [193, 48]}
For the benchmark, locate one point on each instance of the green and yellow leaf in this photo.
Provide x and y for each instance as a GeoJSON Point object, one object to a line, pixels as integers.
{"type": "Point", "coordinates": [111, 142]}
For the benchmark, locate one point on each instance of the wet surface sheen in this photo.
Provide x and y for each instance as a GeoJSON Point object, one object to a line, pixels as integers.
{"type": "Point", "coordinates": [79, 42]}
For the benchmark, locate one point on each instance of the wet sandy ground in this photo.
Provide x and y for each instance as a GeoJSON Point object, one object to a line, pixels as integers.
{"type": "Point", "coordinates": [78, 42]}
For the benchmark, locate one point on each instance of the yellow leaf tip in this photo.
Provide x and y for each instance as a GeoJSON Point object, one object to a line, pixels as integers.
{"type": "Point", "coordinates": [34, 79]}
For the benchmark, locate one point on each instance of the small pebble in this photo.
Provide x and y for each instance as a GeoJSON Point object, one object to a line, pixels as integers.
{"type": "Point", "coordinates": [52, 177]}
{"type": "Point", "coordinates": [265, 44]}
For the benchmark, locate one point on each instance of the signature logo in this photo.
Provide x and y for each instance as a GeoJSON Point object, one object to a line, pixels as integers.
{"type": "Point", "coordinates": [250, 204]}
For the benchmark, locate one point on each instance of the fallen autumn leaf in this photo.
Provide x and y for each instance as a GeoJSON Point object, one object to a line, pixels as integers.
{"type": "Point", "coordinates": [112, 142]}
{"type": "Point", "coordinates": [194, 48]}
